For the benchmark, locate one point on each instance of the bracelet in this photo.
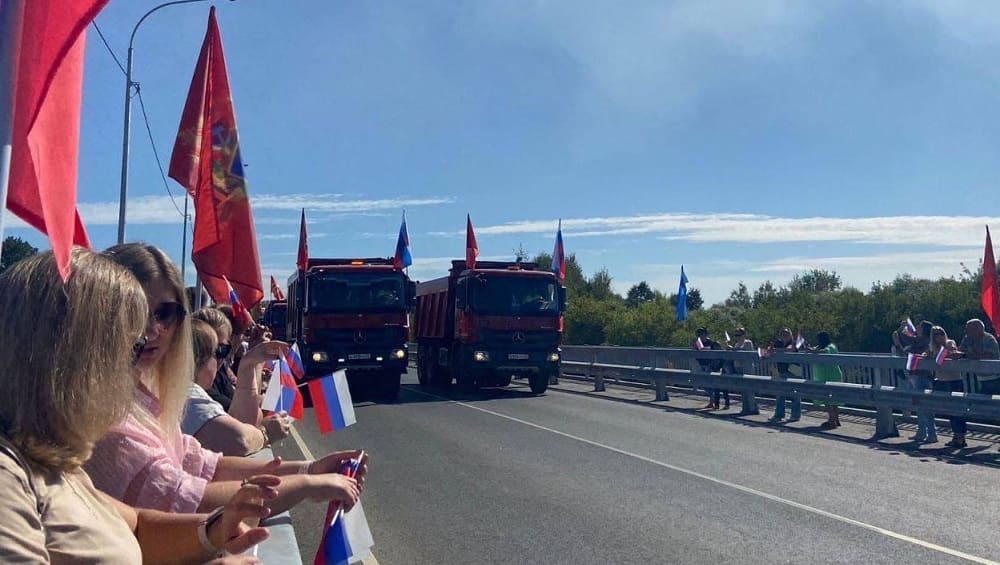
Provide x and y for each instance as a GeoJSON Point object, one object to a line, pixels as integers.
{"type": "Point", "coordinates": [306, 467]}
{"type": "Point", "coordinates": [203, 531]}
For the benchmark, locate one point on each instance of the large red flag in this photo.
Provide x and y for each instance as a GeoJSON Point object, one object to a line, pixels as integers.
{"type": "Point", "coordinates": [990, 297]}
{"type": "Point", "coordinates": [46, 129]}
{"type": "Point", "coordinates": [303, 259]}
{"type": "Point", "coordinates": [471, 247]}
{"type": "Point", "coordinates": [206, 160]}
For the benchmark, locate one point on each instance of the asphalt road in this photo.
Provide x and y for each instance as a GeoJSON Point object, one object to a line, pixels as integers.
{"type": "Point", "coordinates": [507, 477]}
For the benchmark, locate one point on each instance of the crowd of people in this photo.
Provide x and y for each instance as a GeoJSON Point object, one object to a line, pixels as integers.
{"type": "Point", "coordinates": [126, 419]}
{"type": "Point", "coordinates": [924, 341]}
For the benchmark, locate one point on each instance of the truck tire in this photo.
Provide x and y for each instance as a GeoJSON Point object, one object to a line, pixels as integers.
{"type": "Point", "coordinates": [423, 376]}
{"type": "Point", "coordinates": [538, 382]}
{"type": "Point", "coordinates": [387, 389]}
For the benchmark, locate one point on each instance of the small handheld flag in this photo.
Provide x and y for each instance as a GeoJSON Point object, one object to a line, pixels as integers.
{"type": "Point", "coordinates": [332, 402]}
{"type": "Point", "coordinates": [763, 353]}
{"type": "Point", "coordinates": [800, 341]}
{"type": "Point", "coordinates": [559, 255]}
{"type": "Point", "coordinates": [912, 362]}
{"type": "Point", "coordinates": [403, 258]}
{"type": "Point", "coordinates": [283, 394]}
{"type": "Point", "coordinates": [276, 291]}
{"type": "Point", "coordinates": [239, 310]}
{"type": "Point", "coordinates": [941, 356]}
{"type": "Point", "coordinates": [294, 361]}
{"type": "Point", "coordinates": [728, 339]}
{"type": "Point", "coordinates": [698, 344]}
{"type": "Point", "coordinates": [909, 329]}
{"type": "Point", "coordinates": [346, 535]}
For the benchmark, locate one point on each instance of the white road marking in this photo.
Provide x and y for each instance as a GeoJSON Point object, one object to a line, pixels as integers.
{"type": "Point", "coordinates": [301, 443]}
{"type": "Point", "coordinates": [748, 490]}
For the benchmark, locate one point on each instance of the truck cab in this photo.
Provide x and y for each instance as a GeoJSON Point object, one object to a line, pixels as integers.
{"type": "Point", "coordinates": [353, 314]}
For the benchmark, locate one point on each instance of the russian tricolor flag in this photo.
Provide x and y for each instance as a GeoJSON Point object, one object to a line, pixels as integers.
{"type": "Point", "coordinates": [332, 402]}
{"type": "Point", "coordinates": [909, 329]}
{"type": "Point", "coordinates": [347, 538]}
{"type": "Point", "coordinates": [283, 394]}
{"type": "Point", "coordinates": [294, 361]}
{"type": "Point", "coordinates": [559, 255]}
{"type": "Point", "coordinates": [941, 356]}
{"type": "Point", "coordinates": [403, 257]}
{"type": "Point", "coordinates": [912, 362]}
{"type": "Point", "coordinates": [239, 310]}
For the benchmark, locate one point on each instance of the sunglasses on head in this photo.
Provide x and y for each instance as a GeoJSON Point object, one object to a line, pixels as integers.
{"type": "Point", "coordinates": [168, 313]}
{"type": "Point", "coordinates": [137, 348]}
{"type": "Point", "coordinates": [222, 351]}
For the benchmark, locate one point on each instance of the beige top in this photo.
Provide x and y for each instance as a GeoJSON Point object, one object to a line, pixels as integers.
{"type": "Point", "coordinates": [75, 526]}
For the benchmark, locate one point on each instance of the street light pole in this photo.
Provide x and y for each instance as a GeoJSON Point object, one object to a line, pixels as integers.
{"type": "Point", "coordinates": [128, 115]}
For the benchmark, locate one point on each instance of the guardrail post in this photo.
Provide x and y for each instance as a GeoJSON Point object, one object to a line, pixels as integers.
{"type": "Point", "coordinates": [598, 378]}
{"type": "Point", "coordinates": [661, 385]}
{"type": "Point", "coordinates": [885, 422]}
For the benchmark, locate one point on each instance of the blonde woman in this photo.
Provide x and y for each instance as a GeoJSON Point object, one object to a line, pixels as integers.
{"type": "Point", "coordinates": [66, 345]}
{"type": "Point", "coordinates": [145, 460]}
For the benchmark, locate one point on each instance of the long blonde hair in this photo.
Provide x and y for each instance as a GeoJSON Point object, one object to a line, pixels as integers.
{"type": "Point", "coordinates": [65, 348]}
{"type": "Point", "coordinates": [172, 374]}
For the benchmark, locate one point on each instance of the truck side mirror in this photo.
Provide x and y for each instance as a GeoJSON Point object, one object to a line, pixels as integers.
{"type": "Point", "coordinates": [411, 295]}
{"type": "Point", "coordinates": [562, 298]}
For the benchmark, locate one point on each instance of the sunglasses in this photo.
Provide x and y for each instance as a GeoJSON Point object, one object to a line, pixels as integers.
{"type": "Point", "coordinates": [168, 313]}
{"type": "Point", "coordinates": [137, 348]}
{"type": "Point", "coordinates": [222, 351]}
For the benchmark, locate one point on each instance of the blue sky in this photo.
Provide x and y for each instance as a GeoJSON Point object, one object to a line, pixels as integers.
{"type": "Point", "coordinates": [745, 140]}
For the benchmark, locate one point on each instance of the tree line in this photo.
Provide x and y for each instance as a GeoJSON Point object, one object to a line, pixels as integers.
{"type": "Point", "coordinates": [810, 302]}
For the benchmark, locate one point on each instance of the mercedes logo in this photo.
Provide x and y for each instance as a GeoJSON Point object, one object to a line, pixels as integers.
{"type": "Point", "coordinates": [360, 336]}
{"type": "Point", "coordinates": [518, 337]}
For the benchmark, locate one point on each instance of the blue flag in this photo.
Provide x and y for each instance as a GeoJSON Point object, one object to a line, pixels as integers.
{"type": "Point", "coordinates": [682, 298]}
{"type": "Point", "coordinates": [403, 258]}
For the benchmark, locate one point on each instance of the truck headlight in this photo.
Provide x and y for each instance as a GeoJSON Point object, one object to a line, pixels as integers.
{"type": "Point", "coordinates": [554, 357]}
{"type": "Point", "coordinates": [399, 354]}
{"type": "Point", "coordinates": [320, 357]}
{"type": "Point", "coordinates": [481, 356]}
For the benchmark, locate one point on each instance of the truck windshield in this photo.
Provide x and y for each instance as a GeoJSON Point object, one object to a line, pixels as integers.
{"type": "Point", "coordinates": [356, 292]}
{"type": "Point", "coordinates": [522, 296]}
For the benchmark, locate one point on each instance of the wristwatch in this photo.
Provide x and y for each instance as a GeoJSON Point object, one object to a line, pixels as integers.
{"type": "Point", "coordinates": [203, 532]}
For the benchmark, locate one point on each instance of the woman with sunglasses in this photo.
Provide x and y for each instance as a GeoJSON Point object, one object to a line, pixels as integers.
{"type": "Point", "coordinates": [205, 419]}
{"type": "Point", "coordinates": [146, 461]}
{"type": "Point", "coordinates": [65, 347]}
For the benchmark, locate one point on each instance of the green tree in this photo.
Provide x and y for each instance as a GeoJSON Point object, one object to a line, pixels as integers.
{"type": "Point", "coordinates": [15, 249]}
{"type": "Point", "coordinates": [640, 293]}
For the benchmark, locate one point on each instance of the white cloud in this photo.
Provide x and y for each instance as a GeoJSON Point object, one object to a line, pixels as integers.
{"type": "Point", "coordinates": [143, 210]}
{"type": "Point", "coordinates": [270, 236]}
{"type": "Point", "coordinates": [941, 231]}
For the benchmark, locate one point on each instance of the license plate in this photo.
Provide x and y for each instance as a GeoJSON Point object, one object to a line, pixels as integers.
{"type": "Point", "coordinates": [518, 356]}
{"type": "Point", "coordinates": [358, 356]}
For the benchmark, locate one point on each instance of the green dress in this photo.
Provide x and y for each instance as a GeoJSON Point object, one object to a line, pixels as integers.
{"type": "Point", "coordinates": [827, 374]}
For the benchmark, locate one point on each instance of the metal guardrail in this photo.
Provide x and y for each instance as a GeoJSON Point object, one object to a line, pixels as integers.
{"type": "Point", "coordinates": [875, 378]}
{"type": "Point", "coordinates": [281, 547]}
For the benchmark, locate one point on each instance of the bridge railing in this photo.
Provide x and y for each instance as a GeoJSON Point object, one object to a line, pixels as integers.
{"type": "Point", "coordinates": [869, 380]}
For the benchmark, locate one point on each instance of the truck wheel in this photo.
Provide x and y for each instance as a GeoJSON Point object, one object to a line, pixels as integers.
{"type": "Point", "coordinates": [539, 382]}
{"type": "Point", "coordinates": [422, 370]}
{"type": "Point", "coordinates": [388, 386]}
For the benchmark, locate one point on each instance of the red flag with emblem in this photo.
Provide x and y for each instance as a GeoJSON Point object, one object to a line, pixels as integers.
{"type": "Point", "coordinates": [471, 246]}
{"type": "Point", "coordinates": [207, 162]}
{"type": "Point", "coordinates": [45, 132]}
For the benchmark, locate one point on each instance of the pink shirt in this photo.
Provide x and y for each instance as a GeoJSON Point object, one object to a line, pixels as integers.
{"type": "Point", "coordinates": [135, 465]}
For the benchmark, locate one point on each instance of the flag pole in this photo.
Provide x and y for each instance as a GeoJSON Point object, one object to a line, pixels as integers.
{"type": "Point", "coordinates": [184, 245]}
{"type": "Point", "coordinates": [11, 17]}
